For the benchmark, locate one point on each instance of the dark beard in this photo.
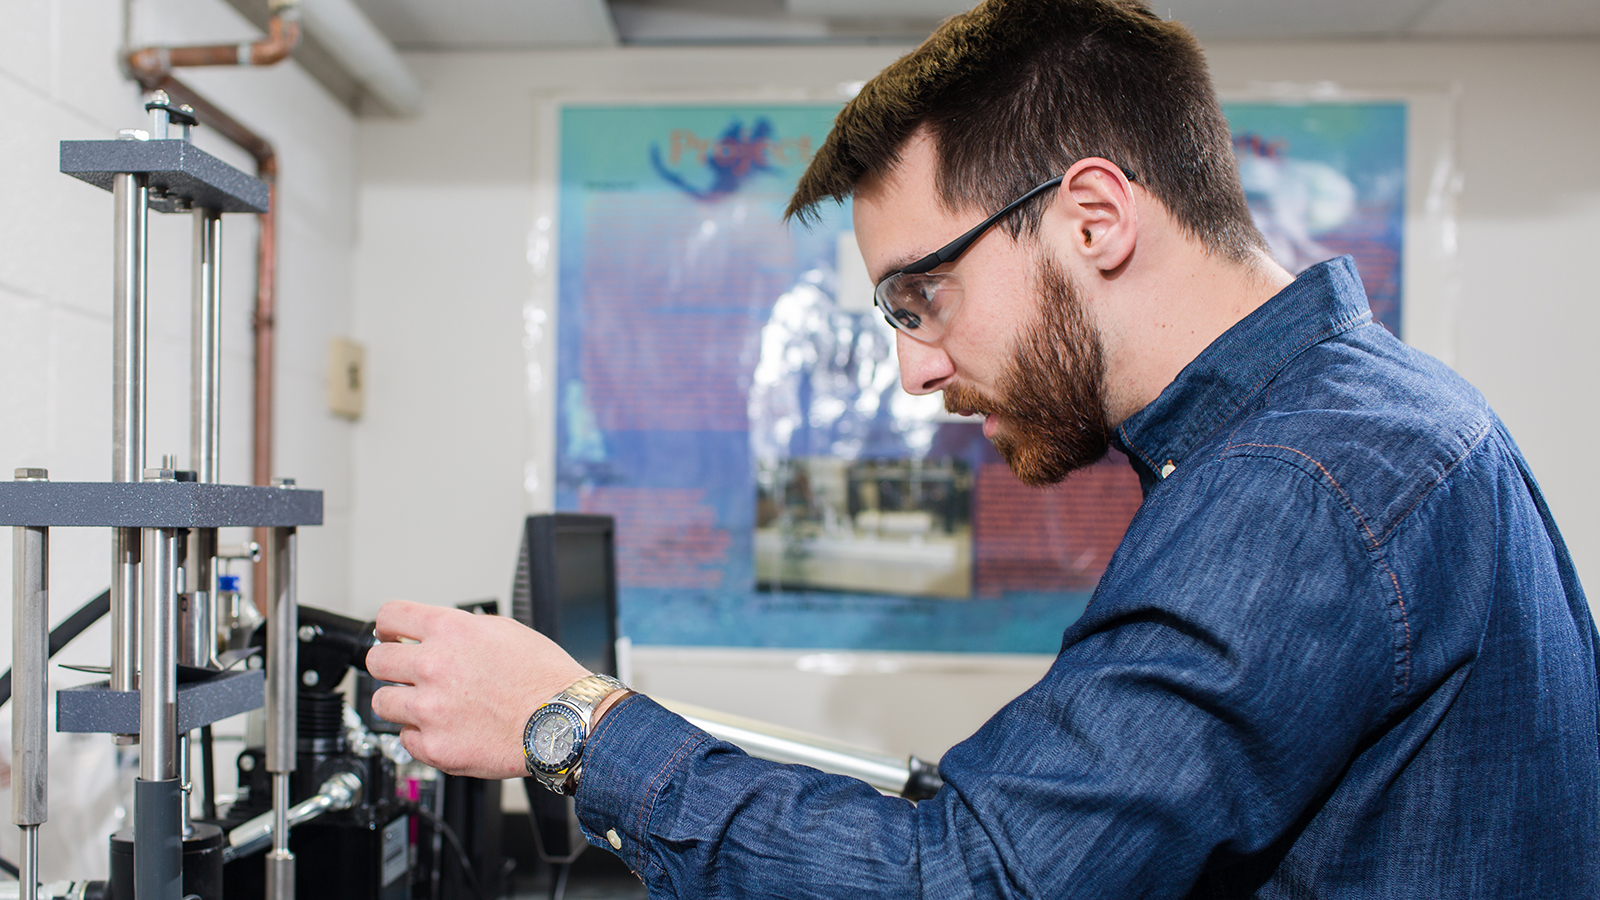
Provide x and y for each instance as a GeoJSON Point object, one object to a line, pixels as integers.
{"type": "Point", "coordinates": [1052, 391]}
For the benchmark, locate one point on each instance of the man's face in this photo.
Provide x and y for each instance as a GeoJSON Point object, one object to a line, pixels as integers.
{"type": "Point", "coordinates": [1020, 350]}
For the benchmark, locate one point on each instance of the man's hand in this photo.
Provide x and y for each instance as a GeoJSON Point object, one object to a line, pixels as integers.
{"type": "Point", "coordinates": [465, 689]}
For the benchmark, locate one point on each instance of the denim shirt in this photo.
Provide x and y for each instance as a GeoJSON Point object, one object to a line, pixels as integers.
{"type": "Point", "coordinates": [1341, 652]}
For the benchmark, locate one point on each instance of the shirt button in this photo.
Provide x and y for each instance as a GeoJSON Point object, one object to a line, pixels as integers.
{"type": "Point", "coordinates": [1167, 469]}
{"type": "Point", "coordinates": [614, 839]}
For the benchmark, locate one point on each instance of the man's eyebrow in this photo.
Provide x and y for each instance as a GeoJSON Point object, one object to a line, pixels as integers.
{"type": "Point", "coordinates": [896, 264]}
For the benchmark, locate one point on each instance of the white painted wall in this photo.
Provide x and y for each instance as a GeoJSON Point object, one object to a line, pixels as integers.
{"type": "Point", "coordinates": [59, 81]}
{"type": "Point", "coordinates": [448, 205]}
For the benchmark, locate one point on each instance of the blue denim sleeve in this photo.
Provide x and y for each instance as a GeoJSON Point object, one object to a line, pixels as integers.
{"type": "Point", "coordinates": [1226, 671]}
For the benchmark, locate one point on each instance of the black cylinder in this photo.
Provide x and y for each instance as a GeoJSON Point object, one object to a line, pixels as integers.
{"type": "Point", "coordinates": [202, 863]}
{"type": "Point", "coordinates": [319, 718]}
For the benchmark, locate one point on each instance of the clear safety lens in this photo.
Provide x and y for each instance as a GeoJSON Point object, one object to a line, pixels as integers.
{"type": "Point", "coordinates": [919, 305]}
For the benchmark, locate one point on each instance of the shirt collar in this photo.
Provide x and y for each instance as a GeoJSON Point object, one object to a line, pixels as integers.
{"type": "Point", "coordinates": [1325, 301]}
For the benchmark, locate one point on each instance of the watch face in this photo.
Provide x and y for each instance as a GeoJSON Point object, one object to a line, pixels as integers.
{"type": "Point", "coordinates": [553, 739]}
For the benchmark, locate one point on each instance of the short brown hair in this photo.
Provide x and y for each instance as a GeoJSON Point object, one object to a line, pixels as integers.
{"type": "Point", "coordinates": [1015, 91]}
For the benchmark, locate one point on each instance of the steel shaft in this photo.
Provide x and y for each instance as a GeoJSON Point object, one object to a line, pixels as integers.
{"type": "Point", "coordinates": [128, 351]}
{"type": "Point", "coordinates": [30, 634]}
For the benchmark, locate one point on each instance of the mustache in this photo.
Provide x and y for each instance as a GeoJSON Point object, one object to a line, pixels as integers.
{"type": "Point", "coordinates": [963, 399]}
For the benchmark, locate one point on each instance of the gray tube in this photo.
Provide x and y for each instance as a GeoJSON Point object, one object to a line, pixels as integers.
{"type": "Point", "coordinates": [30, 634]}
{"type": "Point", "coordinates": [158, 841]}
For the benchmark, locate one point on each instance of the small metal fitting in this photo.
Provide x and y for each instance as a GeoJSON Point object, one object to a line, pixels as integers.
{"type": "Point", "coordinates": [283, 482]}
{"type": "Point", "coordinates": [159, 474]}
{"type": "Point", "coordinates": [309, 633]}
{"type": "Point", "coordinates": [31, 474]}
{"type": "Point", "coordinates": [133, 134]}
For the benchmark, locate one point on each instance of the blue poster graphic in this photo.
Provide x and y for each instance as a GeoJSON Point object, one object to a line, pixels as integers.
{"type": "Point", "coordinates": [720, 395]}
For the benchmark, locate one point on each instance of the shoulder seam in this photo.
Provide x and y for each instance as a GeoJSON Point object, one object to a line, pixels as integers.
{"type": "Point", "coordinates": [1374, 547]}
{"type": "Point", "coordinates": [1468, 446]}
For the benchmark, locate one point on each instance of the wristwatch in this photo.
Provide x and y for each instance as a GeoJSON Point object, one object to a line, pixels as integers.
{"type": "Point", "coordinates": [553, 742]}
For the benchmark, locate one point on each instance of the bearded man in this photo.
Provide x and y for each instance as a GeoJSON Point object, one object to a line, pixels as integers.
{"type": "Point", "coordinates": [1341, 652]}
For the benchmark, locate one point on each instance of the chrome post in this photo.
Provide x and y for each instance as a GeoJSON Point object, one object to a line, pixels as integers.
{"type": "Point", "coordinates": [198, 646]}
{"type": "Point", "coordinates": [129, 342]}
{"type": "Point", "coordinates": [282, 693]}
{"type": "Point", "coordinates": [158, 682]}
{"type": "Point", "coordinates": [158, 848]}
{"type": "Point", "coordinates": [30, 634]}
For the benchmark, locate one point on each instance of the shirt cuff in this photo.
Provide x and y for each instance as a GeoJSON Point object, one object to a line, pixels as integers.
{"type": "Point", "coordinates": [630, 759]}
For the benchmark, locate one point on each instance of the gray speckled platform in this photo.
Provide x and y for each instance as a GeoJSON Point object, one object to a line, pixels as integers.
{"type": "Point", "coordinates": [97, 709]}
{"type": "Point", "coordinates": [153, 504]}
{"type": "Point", "coordinates": [181, 175]}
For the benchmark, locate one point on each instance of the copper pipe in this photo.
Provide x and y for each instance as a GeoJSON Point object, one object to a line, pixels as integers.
{"type": "Point", "coordinates": [283, 33]}
{"type": "Point", "coordinates": [152, 67]}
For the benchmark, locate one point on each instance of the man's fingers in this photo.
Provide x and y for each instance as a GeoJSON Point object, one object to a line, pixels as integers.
{"type": "Point", "coordinates": [392, 702]}
{"type": "Point", "coordinates": [403, 619]}
{"type": "Point", "coordinates": [393, 662]}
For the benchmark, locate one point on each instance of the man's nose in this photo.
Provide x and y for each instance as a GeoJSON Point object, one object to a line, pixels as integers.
{"type": "Point", "coordinates": [924, 368]}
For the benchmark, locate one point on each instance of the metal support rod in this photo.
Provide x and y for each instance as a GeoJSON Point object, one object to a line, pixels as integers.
{"type": "Point", "coordinates": [280, 860]}
{"type": "Point", "coordinates": [205, 342]}
{"type": "Point", "coordinates": [30, 634]}
{"type": "Point", "coordinates": [158, 682]}
{"type": "Point", "coordinates": [198, 642]}
{"type": "Point", "coordinates": [282, 693]}
{"type": "Point", "coordinates": [129, 342]}
{"type": "Point", "coordinates": [158, 850]}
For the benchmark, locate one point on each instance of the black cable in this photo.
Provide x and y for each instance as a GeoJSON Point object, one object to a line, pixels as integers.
{"type": "Point", "coordinates": [9, 869]}
{"type": "Point", "coordinates": [443, 827]}
{"type": "Point", "coordinates": [208, 773]}
{"type": "Point", "coordinates": [75, 625]}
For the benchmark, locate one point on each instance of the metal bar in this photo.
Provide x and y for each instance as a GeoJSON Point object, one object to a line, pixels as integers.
{"type": "Point", "coordinates": [30, 633]}
{"type": "Point", "coordinates": [205, 435]}
{"type": "Point", "coordinates": [158, 851]}
{"type": "Point", "coordinates": [158, 682]}
{"type": "Point", "coordinates": [339, 792]}
{"type": "Point", "coordinates": [882, 771]}
{"type": "Point", "coordinates": [282, 694]}
{"type": "Point", "coordinates": [129, 342]}
{"type": "Point", "coordinates": [198, 641]}
{"type": "Point", "coordinates": [197, 631]}
{"type": "Point", "coordinates": [282, 652]}
{"type": "Point", "coordinates": [280, 861]}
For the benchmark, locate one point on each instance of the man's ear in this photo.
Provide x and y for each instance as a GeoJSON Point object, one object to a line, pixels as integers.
{"type": "Point", "coordinates": [1101, 218]}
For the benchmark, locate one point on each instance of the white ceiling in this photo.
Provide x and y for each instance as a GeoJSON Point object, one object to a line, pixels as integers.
{"type": "Point", "coordinates": [506, 24]}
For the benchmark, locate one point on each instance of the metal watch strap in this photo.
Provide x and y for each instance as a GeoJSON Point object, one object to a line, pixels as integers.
{"type": "Point", "coordinates": [587, 692]}
{"type": "Point", "coordinates": [582, 696]}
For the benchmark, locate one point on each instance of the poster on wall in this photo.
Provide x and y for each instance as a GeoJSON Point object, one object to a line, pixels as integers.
{"type": "Point", "coordinates": [727, 393]}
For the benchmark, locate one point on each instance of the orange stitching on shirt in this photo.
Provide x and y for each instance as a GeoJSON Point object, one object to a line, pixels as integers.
{"type": "Point", "coordinates": [1404, 619]}
{"type": "Point", "coordinates": [652, 792]}
{"type": "Point", "coordinates": [1328, 475]}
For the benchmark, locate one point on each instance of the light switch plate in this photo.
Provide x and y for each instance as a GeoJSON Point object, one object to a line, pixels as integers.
{"type": "Point", "coordinates": [347, 377]}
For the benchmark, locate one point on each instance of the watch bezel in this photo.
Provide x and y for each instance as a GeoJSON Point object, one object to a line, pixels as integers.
{"type": "Point", "coordinates": [580, 733]}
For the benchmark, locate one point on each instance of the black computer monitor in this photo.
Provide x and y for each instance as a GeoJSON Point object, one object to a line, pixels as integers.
{"type": "Point", "coordinates": [566, 589]}
{"type": "Point", "coordinates": [566, 585]}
